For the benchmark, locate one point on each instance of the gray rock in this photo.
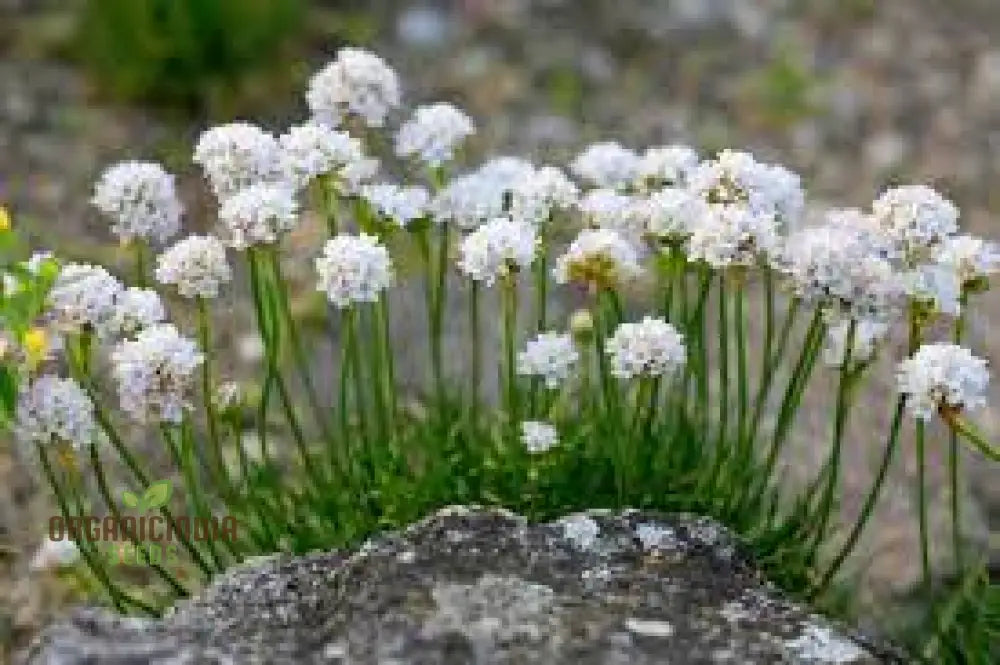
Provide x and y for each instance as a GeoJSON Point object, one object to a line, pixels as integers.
{"type": "Point", "coordinates": [480, 586]}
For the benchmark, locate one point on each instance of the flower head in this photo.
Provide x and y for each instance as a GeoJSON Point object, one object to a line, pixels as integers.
{"type": "Point", "coordinates": [916, 218]}
{"type": "Point", "coordinates": [141, 201]}
{"type": "Point", "coordinates": [607, 209]}
{"type": "Point", "coordinates": [433, 134]}
{"type": "Point", "coordinates": [155, 373]}
{"type": "Point", "coordinates": [551, 356]}
{"type": "Point", "coordinates": [237, 156]}
{"type": "Point", "coordinates": [84, 296]}
{"type": "Point", "coordinates": [867, 335]}
{"type": "Point", "coordinates": [649, 348]}
{"type": "Point", "coordinates": [353, 269]}
{"type": "Point", "coordinates": [538, 437]}
{"type": "Point", "coordinates": [736, 179]}
{"type": "Point", "coordinates": [357, 83]}
{"type": "Point", "coordinates": [474, 198]}
{"type": "Point", "coordinates": [497, 248]}
{"type": "Point", "coordinates": [942, 377]}
{"type": "Point", "coordinates": [52, 410]}
{"type": "Point", "coordinates": [935, 285]}
{"type": "Point", "coordinates": [258, 215]}
{"type": "Point", "coordinates": [134, 310]}
{"type": "Point", "coordinates": [312, 150]}
{"type": "Point", "coordinates": [665, 166]}
{"type": "Point", "coordinates": [537, 195]}
{"type": "Point", "coordinates": [971, 258]}
{"type": "Point", "coordinates": [400, 205]}
{"type": "Point", "coordinates": [671, 213]}
{"type": "Point", "coordinates": [606, 164]}
{"type": "Point", "coordinates": [196, 265]}
{"type": "Point", "coordinates": [733, 235]}
{"type": "Point", "coordinates": [598, 257]}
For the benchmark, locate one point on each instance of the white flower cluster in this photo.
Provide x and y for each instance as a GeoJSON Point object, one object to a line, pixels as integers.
{"type": "Point", "coordinates": [357, 83]}
{"type": "Point", "coordinates": [606, 164]}
{"type": "Point", "coordinates": [353, 269]}
{"type": "Point", "coordinates": [84, 296]}
{"type": "Point", "coordinates": [400, 205]}
{"type": "Point", "coordinates": [598, 257]}
{"type": "Point", "coordinates": [258, 215]}
{"type": "Point", "coordinates": [867, 335]}
{"type": "Point", "coordinates": [969, 257]}
{"type": "Point", "coordinates": [433, 134]}
{"type": "Point", "coordinates": [312, 150]}
{"type": "Point", "coordinates": [607, 209]}
{"type": "Point", "coordinates": [196, 265]}
{"type": "Point", "coordinates": [942, 377]}
{"type": "Point", "coordinates": [665, 166]}
{"type": "Point", "coordinates": [551, 356]}
{"type": "Point", "coordinates": [733, 235]}
{"type": "Point", "coordinates": [649, 348]}
{"type": "Point", "coordinates": [538, 195]}
{"type": "Point", "coordinates": [238, 155]}
{"type": "Point", "coordinates": [538, 437]}
{"type": "Point", "coordinates": [672, 213]}
{"type": "Point", "coordinates": [915, 218]}
{"type": "Point", "coordinates": [141, 201]}
{"type": "Point", "coordinates": [135, 309]}
{"type": "Point", "coordinates": [474, 198]}
{"type": "Point", "coordinates": [154, 374]}
{"type": "Point", "coordinates": [496, 248]}
{"type": "Point", "coordinates": [52, 410]}
{"type": "Point", "coordinates": [735, 178]}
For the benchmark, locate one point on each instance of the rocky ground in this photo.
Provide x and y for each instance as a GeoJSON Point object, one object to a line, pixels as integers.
{"type": "Point", "coordinates": [852, 94]}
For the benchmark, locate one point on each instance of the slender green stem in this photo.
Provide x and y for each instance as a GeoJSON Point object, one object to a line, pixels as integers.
{"type": "Point", "coordinates": [723, 397]}
{"type": "Point", "coordinates": [954, 461]}
{"type": "Point", "coordinates": [388, 358]}
{"type": "Point", "coordinates": [742, 379]}
{"type": "Point", "coordinates": [509, 294]}
{"type": "Point", "coordinates": [770, 363]}
{"type": "Point", "coordinates": [975, 438]}
{"type": "Point", "coordinates": [440, 301]}
{"type": "Point", "coordinates": [140, 262]}
{"type": "Point", "coordinates": [476, 350]}
{"type": "Point", "coordinates": [925, 557]}
{"type": "Point", "coordinates": [211, 418]}
{"type": "Point", "coordinates": [357, 373]}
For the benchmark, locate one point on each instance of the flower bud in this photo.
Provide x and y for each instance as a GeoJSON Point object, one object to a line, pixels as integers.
{"type": "Point", "coordinates": [581, 323]}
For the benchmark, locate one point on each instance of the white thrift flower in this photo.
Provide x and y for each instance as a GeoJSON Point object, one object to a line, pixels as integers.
{"type": "Point", "coordinates": [54, 554]}
{"type": "Point", "coordinates": [57, 411]}
{"type": "Point", "coordinates": [581, 530]}
{"type": "Point", "coordinates": [649, 348]}
{"type": "Point", "coordinates": [196, 265]}
{"type": "Point", "coordinates": [141, 201]}
{"type": "Point", "coordinates": [135, 309]}
{"type": "Point", "coordinates": [868, 230]}
{"type": "Point", "coordinates": [155, 373]}
{"type": "Point", "coordinates": [867, 335]}
{"type": "Point", "coordinates": [936, 285]}
{"type": "Point", "coordinates": [400, 205]}
{"type": "Point", "coordinates": [606, 164]}
{"type": "Point", "coordinates": [356, 175]}
{"type": "Point", "coordinates": [835, 267]}
{"type": "Point", "coordinates": [258, 215]}
{"type": "Point", "coordinates": [312, 150]}
{"type": "Point", "coordinates": [733, 235]}
{"type": "Point", "coordinates": [916, 218]}
{"type": "Point", "coordinates": [474, 198]}
{"type": "Point", "coordinates": [598, 257]}
{"type": "Point", "coordinates": [353, 269]}
{"type": "Point", "coordinates": [238, 155]}
{"type": "Point", "coordinates": [737, 179]}
{"type": "Point", "coordinates": [538, 437]}
{"type": "Point", "coordinates": [551, 356]}
{"type": "Point", "coordinates": [357, 83]}
{"type": "Point", "coordinates": [665, 166]}
{"type": "Point", "coordinates": [971, 258]}
{"type": "Point", "coordinates": [607, 209]}
{"type": "Point", "coordinates": [497, 248]}
{"type": "Point", "coordinates": [943, 377]}
{"type": "Point", "coordinates": [671, 214]}
{"type": "Point", "coordinates": [84, 295]}
{"type": "Point", "coordinates": [433, 134]}
{"type": "Point", "coordinates": [541, 193]}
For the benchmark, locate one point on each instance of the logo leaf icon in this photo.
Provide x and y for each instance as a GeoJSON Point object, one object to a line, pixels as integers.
{"type": "Point", "coordinates": [157, 494]}
{"type": "Point", "coordinates": [130, 499]}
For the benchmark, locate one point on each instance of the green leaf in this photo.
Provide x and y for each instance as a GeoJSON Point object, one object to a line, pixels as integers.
{"type": "Point", "coordinates": [130, 499]}
{"type": "Point", "coordinates": [157, 494]}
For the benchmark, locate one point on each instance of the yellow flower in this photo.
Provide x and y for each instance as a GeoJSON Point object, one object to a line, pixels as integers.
{"type": "Point", "coordinates": [36, 346]}
{"type": "Point", "coordinates": [5, 222]}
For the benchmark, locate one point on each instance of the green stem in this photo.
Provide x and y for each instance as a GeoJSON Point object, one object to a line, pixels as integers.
{"type": "Point", "coordinates": [975, 438]}
{"type": "Point", "coordinates": [476, 351]}
{"type": "Point", "coordinates": [440, 300]}
{"type": "Point", "coordinates": [741, 365]}
{"type": "Point", "coordinates": [211, 418]}
{"type": "Point", "coordinates": [925, 559]}
{"type": "Point", "coordinates": [389, 361]}
{"type": "Point", "coordinates": [509, 289]}
{"type": "Point", "coordinates": [770, 363]}
{"type": "Point", "coordinates": [140, 263]}
{"type": "Point", "coordinates": [954, 461]}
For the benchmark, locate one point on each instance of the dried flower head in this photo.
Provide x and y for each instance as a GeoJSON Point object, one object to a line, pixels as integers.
{"type": "Point", "coordinates": [141, 201]}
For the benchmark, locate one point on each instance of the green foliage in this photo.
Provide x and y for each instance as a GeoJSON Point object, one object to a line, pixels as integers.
{"type": "Point", "coordinates": [186, 54]}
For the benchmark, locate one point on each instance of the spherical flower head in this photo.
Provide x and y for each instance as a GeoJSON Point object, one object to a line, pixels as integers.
{"type": "Point", "coordinates": [650, 348]}
{"type": "Point", "coordinates": [353, 269]}
{"type": "Point", "coordinates": [55, 411]}
{"type": "Point", "coordinates": [942, 378]}
{"type": "Point", "coordinates": [538, 437]}
{"type": "Point", "coordinates": [971, 258]}
{"type": "Point", "coordinates": [868, 333]}
{"type": "Point", "coordinates": [916, 218]}
{"type": "Point", "coordinates": [196, 265]}
{"type": "Point", "coordinates": [835, 267]}
{"type": "Point", "coordinates": [357, 174]}
{"type": "Point", "coordinates": [496, 249]}
{"type": "Point", "coordinates": [934, 286]}
{"type": "Point", "coordinates": [84, 296]}
{"type": "Point", "coordinates": [258, 215]}
{"type": "Point", "coordinates": [672, 213]}
{"type": "Point", "coordinates": [141, 201]}
{"type": "Point", "coordinates": [474, 198]}
{"type": "Point", "coordinates": [599, 258]}
{"type": "Point", "coordinates": [868, 230]}
{"type": "Point", "coordinates": [357, 83]}
{"type": "Point", "coordinates": [237, 156]}
{"type": "Point", "coordinates": [155, 373]}
{"type": "Point", "coordinates": [551, 356]}
{"type": "Point", "coordinates": [735, 178]}
{"type": "Point", "coordinates": [312, 150]}
{"type": "Point", "coordinates": [665, 166]}
{"type": "Point", "coordinates": [539, 194]}
{"type": "Point", "coordinates": [580, 530]}
{"type": "Point", "coordinates": [607, 209]}
{"type": "Point", "coordinates": [733, 235]}
{"type": "Point", "coordinates": [400, 205]}
{"type": "Point", "coordinates": [606, 164]}
{"type": "Point", "coordinates": [433, 134]}
{"type": "Point", "coordinates": [135, 309]}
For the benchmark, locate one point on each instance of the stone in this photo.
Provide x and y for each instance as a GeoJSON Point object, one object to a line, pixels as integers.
{"type": "Point", "coordinates": [470, 585]}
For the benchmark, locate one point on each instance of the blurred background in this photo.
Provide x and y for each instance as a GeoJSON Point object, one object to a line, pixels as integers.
{"type": "Point", "coordinates": [852, 94]}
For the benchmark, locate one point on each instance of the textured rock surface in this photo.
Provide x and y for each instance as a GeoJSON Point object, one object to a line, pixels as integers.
{"type": "Point", "coordinates": [469, 586]}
